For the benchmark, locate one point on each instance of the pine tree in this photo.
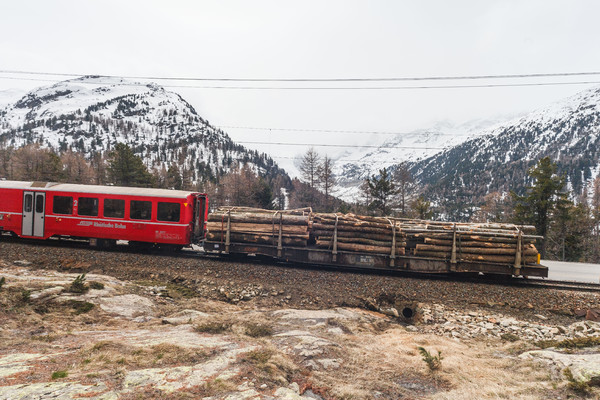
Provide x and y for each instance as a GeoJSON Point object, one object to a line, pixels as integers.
{"type": "Point", "coordinates": [422, 208]}
{"type": "Point", "coordinates": [382, 189]}
{"type": "Point", "coordinates": [174, 180]}
{"type": "Point", "coordinates": [127, 169]}
{"type": "Point", "coordinates": [536, 206]}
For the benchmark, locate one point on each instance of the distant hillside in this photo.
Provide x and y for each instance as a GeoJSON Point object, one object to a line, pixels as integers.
{"type": "Point", "coordinates": [92, 114]}
{"type": "Point", "coordinates": [568, 132]}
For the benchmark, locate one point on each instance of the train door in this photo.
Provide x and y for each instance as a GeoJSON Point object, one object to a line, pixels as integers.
{"type": "Point", "coordinates": [33, 214]}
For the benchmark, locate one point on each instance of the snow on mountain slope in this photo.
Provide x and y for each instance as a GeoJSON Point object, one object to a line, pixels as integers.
{"type": "Point", "coordinates": [354, 167]}
{"type": "Point", "coordinates": [10, 96]}
{"type": "Point", "coordinates": [567, 131]}
{"type": "Point", "coordinates": [92, 114]}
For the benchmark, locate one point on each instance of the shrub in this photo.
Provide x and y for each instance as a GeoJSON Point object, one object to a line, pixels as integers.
{"type": "Point", "coordinates": [81, 307]}
{"type": "Point", "coordinates": [78, 285]}
{"type": "Point", "coordinates": [261, 356]}
{"type": "Point", "coordinates": [574, 384]}
{"type": "Point", "coordinates": [96, 285]}
{"type": "Point", "coordinates": [59, 374]}
{"type": "Point", "coordinates": [433, 362]}
{"type": "Point", "coordinates": [25, 295]}
{"type": "Point", "coordinates": [212, 327]}
{"type": "Point", "coordinates": [258, 330]}
{"type": "Point", "coordinates": [509, 337]}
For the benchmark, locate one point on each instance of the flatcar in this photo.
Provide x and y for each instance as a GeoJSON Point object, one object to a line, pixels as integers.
{"type": "Point", "coordinates": [103, 214]}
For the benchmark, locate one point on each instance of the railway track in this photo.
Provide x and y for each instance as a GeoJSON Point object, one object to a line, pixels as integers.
{"type": "Point", "coordinates": [199, 254]}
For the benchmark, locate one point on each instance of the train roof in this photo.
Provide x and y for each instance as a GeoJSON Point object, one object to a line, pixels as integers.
{"type": "Point", "coordinates": [95, 189]}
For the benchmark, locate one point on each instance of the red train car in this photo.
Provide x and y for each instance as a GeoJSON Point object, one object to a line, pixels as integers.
{"type": "Point", "coordinates": [103, 214]}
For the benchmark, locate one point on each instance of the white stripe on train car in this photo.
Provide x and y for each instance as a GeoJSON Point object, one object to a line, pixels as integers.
{"type": "Point", "coordinates": [99, 219]}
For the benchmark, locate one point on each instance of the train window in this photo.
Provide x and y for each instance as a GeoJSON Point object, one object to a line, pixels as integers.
{"type": "Point", "coordinates": [168, 212]}
{"type": "Point", "coordinates": [39, 203]}
{"type": "Point", "coordinates": [28, 203]}
{"type": "Point", "coordinates": [114, 208]}
{"type": "Point", "coordinates": [88, 206]}
{"type": "Point", "coordinates": [140, 209]}
{"type": "Point", "coordinates": [62, 205]}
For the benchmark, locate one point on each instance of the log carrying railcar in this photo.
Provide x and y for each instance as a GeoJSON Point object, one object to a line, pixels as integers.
{"type": "Point", "coordinates": [349, 240]}
{"type": "Point", "coordinates": [103, 214]}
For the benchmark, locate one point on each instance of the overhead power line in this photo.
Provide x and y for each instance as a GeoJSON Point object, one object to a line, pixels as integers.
{"type": "Point", "coordinates": [421, 133]}
{"type": "Point", "coordinates": [383, 79]}
{"type": "Point", "coordinates": [344, 145]}
{"type": "Point", "coordinates": [363, 88]}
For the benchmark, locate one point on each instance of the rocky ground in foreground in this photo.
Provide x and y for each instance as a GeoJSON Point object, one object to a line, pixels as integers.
{"type": "Point", "coordinates": [154, 326]}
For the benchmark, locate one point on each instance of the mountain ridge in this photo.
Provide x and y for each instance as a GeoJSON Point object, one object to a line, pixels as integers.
{"type": "Point", "coordinates": [91, 114]}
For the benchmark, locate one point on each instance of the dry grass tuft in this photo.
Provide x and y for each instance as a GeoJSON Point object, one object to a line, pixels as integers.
{"type": "Point", "coordinates": [213, 327]}
{"type": "Point", "coordinates": [258, 330]}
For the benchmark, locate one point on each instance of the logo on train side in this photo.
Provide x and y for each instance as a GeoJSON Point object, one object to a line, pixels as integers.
{"type": "Point", "coordinates": [166, 235]}
{"type": "Point", "coordinates": [97, 224]}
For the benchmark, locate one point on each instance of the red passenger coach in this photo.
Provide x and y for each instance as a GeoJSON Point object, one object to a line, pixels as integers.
{"type": "Point", "coordinates": [104, 214]}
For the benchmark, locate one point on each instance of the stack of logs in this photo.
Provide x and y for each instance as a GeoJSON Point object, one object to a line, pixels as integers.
{"type": "Point", "coordinates": [488, 242]}
{"type": "Point", "coordinates": [258, 226]}
{"type": "Point", "coordinates": [358, 233]}
{"type": "Point", "coordinates": [472, 242]}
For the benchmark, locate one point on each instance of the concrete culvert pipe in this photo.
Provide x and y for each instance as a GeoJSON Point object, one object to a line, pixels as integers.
{"type": "Point", "coordinates": [408, 312]}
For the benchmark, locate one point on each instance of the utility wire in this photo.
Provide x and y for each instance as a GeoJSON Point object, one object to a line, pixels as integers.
{"type": "Point", "coordinates": [424, 133]}
{"type": "Point", "coordinates": [344, 145]}
{"type": "Point", "coordinates": [384, 79]}
{"type": "Point", "coordinates": [491, 85]}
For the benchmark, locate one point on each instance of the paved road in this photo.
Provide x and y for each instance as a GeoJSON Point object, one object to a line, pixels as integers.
{"type": "Point", "coordinates": [569, 271]}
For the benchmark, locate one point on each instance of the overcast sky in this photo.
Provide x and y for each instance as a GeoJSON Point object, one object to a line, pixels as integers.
{"type": "Point", "coordinates": [313, 39]}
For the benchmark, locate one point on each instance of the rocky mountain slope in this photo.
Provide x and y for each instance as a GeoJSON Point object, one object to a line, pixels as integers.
{"type": "Point", "coordinates": [498, 160]}
{"type": "Point", "coordinates": [92, 114]}
{"type": "Point", "coordinates": [389, 150]}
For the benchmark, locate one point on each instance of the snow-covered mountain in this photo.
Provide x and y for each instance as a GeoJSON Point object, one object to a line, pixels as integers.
{"type": "Point", "coordinates": [498, 160]}
{"type": "Point", "coordinates": [388, 150]}
{"type": "Point", "coordinates": [8, 96]}
{"type": "Point", "coordinates": [92, 114]}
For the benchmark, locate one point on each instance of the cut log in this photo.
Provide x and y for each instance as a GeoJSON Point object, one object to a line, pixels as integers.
{"type": "Point", "coordinates": [475, 243]}
{"type": "Point", "coordinates": [367, 235]}
{"type": "Point", "coordinates": [297, 211]}
{"type": "Point", "coordinates": [475, 257]}
{"type": "Point", "coordinates": [528, 251]}
{"type": "Point", "coordinates": [260, 218]}
{"type": "Point", "coordinates": [257, 239]}
{"type": "Point", "coordinates": [347, 228]}
{"type": "Point", "coordinates": [258, 228]}
{"type": "Point", "coordinates": [361, 240]}
{"type": "Point", "coordinates": [360, 248]}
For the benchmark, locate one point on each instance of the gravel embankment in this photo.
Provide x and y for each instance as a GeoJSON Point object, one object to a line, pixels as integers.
{"type": "Point", "coordinates": [257, 284]}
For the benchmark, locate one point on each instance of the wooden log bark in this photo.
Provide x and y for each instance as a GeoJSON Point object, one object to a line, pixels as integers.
{"type": "Point", "coordinates": [262, 218]}
{"type": "Point", "coordinates": [347, 228]}
{"type": "Point", "coordinates": [476, 243]}
{"type": "Point", "coordinates": [297, 211]}
{"type": "Point", "coordinates": [366, 235]}
{"type": "Point", "coordinates": [527, 251]}
{"type": "Point", "coordinates": [258, 228]}
{"type": "Point", "coordinates": [476, 257]}
{"type": "Point", "coordinates": [257, 239]}
{"type": "Point", "coordinates": [362, 240]}
{"type": "Point", "coordinates": [360, 248]}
